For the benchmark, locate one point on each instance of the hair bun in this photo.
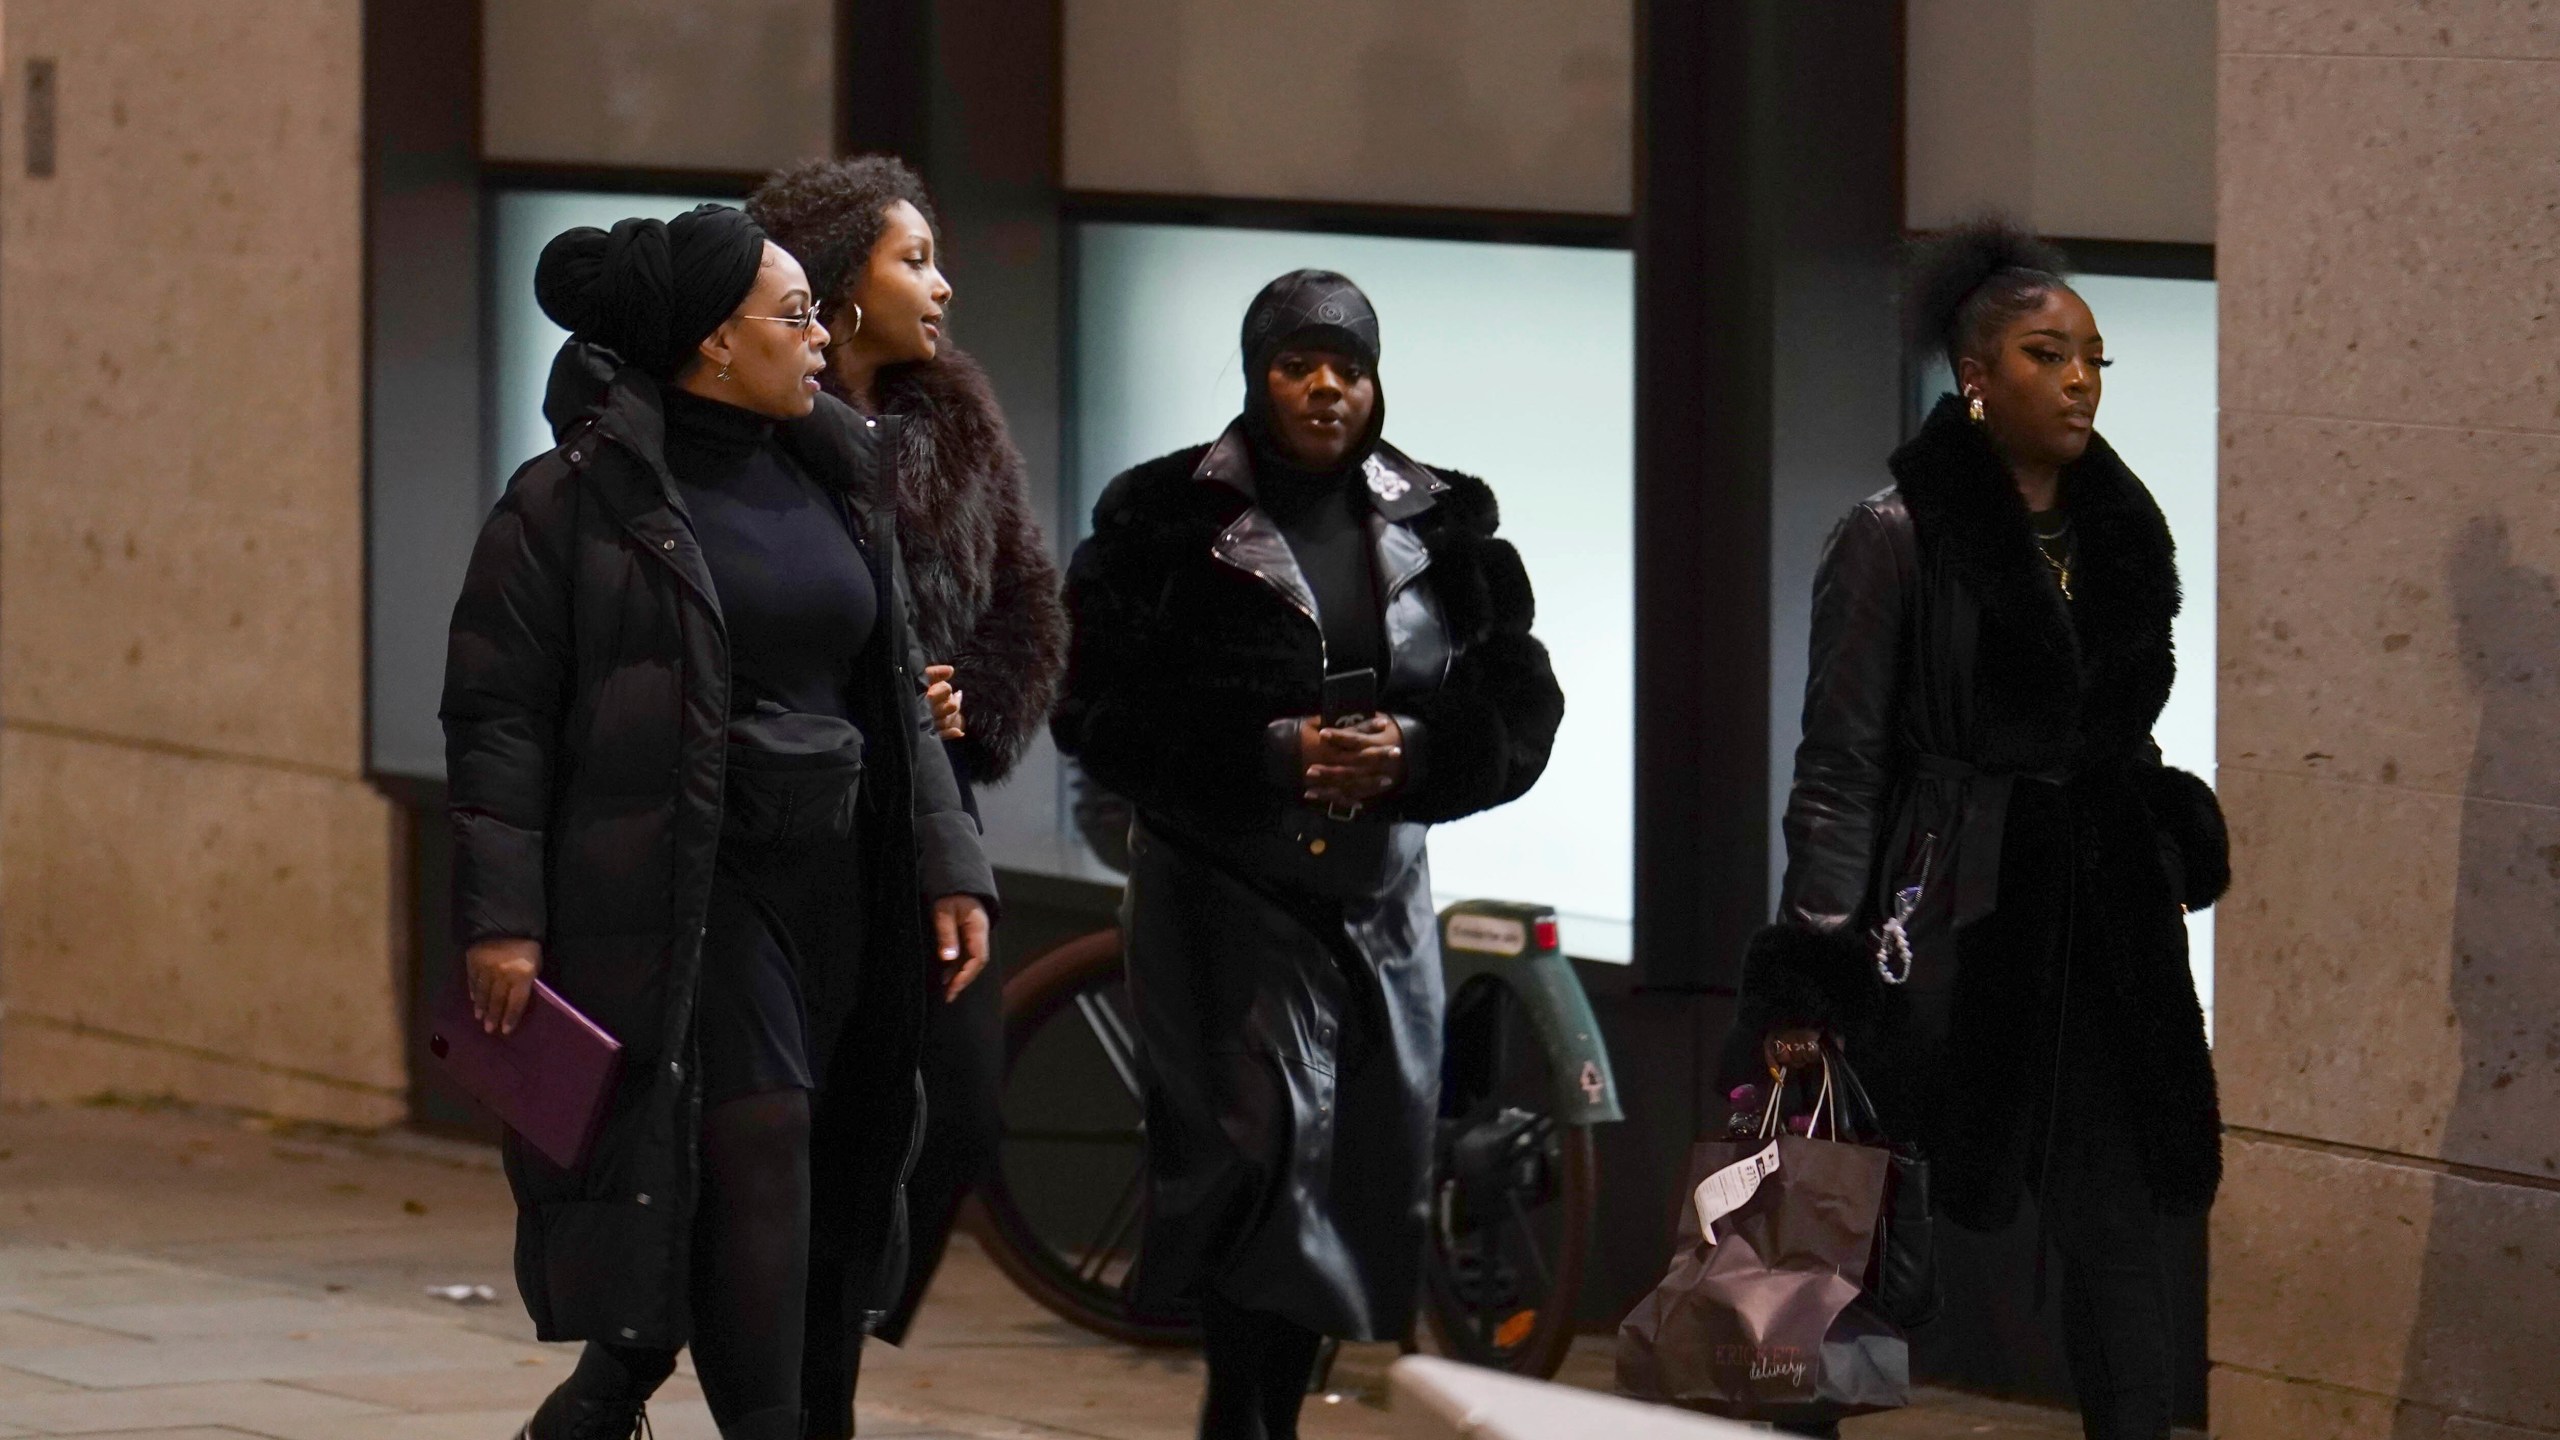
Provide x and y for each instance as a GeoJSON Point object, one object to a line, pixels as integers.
{"type": "Point", "coordinates": [566, 279]}
{"type": "Point", "coordinates": [1945, 271]}
{"type": "Point", "coordinates": [650, 290]}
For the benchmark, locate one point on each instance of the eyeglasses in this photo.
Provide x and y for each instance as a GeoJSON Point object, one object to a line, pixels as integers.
{"type": "Point", "coordinates": [800, 322]}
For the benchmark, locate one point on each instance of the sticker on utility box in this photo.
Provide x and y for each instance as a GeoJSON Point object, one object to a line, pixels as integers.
{"type": "Point", "coordinates": [1488, 935]}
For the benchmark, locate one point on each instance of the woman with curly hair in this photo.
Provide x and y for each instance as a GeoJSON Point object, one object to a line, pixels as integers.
{"type": "Point", "coordinates": [1987, 861]}
{"type": "Point", "coordinates": [985, 590]}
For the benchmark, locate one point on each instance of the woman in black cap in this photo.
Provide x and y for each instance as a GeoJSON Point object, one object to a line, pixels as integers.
{"type": "Point", "coordinates": [695, 789]}
{"type": "Point", "coordinates": [1986, 858]}
{"type": "Point", "coordinates": [1293, 650]}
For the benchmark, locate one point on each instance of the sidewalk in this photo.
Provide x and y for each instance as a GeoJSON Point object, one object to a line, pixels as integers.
{"type": "Point", "coordinates": [172, 1275]}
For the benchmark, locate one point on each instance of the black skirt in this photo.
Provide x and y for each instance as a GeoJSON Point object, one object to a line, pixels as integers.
{"type": "Point", "coordinates": [781, 960]}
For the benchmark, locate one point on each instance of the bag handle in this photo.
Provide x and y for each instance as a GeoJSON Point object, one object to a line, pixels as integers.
{"type": "Point", "coordinates": [1862, 1107]}
{"type": "Point", "coordinates": [1825, 1101]}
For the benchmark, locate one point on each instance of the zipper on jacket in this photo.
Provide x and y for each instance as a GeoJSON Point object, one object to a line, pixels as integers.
{"type": "Point", "coordinates": [1324, 654]}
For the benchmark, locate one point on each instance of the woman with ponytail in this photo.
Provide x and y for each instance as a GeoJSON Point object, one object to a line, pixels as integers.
{"type": "Point", "coordinates": [696, 789]}
{"type": "Point", "coordinates": [1987, 862]}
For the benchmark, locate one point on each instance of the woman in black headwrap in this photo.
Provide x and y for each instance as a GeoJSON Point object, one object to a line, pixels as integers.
{"type": "Point", "coordinates": [1293, 650]}
{"type": "Point", "coordinates": [696, 789]}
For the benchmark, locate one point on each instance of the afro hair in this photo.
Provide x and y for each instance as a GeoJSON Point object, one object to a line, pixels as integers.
{"type": "Point", "coordinates": [829, 213]}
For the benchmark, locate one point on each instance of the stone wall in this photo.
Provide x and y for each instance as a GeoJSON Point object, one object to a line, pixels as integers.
{"type": "Point", "coordinates": [195, 879]}
{"type": "Point", "coordinates": [2385, 1256]}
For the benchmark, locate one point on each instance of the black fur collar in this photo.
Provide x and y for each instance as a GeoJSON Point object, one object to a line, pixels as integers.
{"type": "Point", "coordinates": [1163, 503]}
{"type": "Point", "coordinates": [1963, 499]}
{"type": "Point", "coordinates": [1399, 486]}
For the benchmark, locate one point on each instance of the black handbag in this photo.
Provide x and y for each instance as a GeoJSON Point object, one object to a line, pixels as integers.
{"type": "Point", "coordinates": [793, 778]}
{"type": "Point", "coordinates": [1902, 1275]}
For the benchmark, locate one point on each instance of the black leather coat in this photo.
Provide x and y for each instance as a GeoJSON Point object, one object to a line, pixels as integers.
{"type": "Point", "coordinates": [585, 704]}
{"type": "Point", "coordinates": [1947, 670]}
{"type": "Point", "coordinates": [1285, 965]}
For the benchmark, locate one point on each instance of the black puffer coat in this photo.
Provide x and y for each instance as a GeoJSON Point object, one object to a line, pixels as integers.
{"type": "Point", "coordinates": [586, 699]}
{"type": "Point", "coordinates": [1285, 966]}
{"type": "Point", "coordinates": [1947, 670]}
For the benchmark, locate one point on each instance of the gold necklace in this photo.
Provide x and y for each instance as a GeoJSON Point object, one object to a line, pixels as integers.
{"type": "Point", "coordinates": [2061, 568]}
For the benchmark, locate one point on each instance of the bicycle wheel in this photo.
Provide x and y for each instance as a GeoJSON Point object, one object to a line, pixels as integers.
{"type": "Point", "coordinates": [1512, 1195]}
{"type": "Point", "coordinates": [1065, 1205]}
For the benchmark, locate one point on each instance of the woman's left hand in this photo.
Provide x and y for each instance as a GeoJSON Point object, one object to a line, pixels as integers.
{"type": "Point", "coordinates": [1356, 763]}
{"type": "Point", "coordinates": [945, 702]}
{"type": "Point", "coordinates": [960, 938]}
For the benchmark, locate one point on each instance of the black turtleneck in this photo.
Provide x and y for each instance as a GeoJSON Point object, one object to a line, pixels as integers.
{"type": "Point", "coordinates": [1325, 520]}
{"type": "Point", "coordinates": [795, 593]}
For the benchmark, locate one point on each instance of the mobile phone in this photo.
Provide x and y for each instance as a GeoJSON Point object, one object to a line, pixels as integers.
{"type": "Point", "coordinates": [1350, 695]}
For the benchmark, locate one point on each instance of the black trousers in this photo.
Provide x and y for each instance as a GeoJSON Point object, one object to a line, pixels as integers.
{"type": "Point", "coordinates": [2095, 1211]}
{"type": "Point", "coordinates": [963, 1069]}
{"type": "Point", "coordinates": [2108, 1246]}
{"type": "Point", "coordinates": [2107, 1240]}
{"type": "Point", "coordinates": [964, 1094]}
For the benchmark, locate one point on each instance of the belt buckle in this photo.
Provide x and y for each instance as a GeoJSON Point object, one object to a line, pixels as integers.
{"type": "Point", "coordinates": [1342, 812]}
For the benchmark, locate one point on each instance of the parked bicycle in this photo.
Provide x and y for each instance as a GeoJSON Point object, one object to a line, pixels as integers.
{"type": "Point", "coordinates": [1514, 1182]}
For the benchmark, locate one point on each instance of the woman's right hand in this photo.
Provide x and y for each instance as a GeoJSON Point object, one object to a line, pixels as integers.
{"type": "Point", "coordinates": [501, 974]}
{"type": "Point", "coordinates": [948, 721]}
{"type": "Point", "coordinates": [1351, 763]}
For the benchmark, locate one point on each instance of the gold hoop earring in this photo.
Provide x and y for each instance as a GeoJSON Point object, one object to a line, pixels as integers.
{"type": "Point", "coordinates": [1973, 407]}
{"type": "Point", "coordinates": [857, 321]}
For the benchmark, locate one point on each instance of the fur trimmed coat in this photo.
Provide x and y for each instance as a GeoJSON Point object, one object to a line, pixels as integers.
{"type": "Point", "coordinates": [1284, 964]}
{"type": "Point", "coordinates": [985, 589]}
{"type": "Point", "coordinates": [1949, 674]}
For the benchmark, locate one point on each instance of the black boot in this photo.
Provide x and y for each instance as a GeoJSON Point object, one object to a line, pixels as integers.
{"type": "Point", "coordinates": [605, 1398]}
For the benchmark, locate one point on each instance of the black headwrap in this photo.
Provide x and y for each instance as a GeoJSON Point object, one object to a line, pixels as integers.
{"type": "Point", "coordinates": [651, 290]}
{"type": "Point", "coordinates": [1317, 309]}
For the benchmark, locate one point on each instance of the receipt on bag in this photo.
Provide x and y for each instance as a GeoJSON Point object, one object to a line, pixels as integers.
{"type": "Point", "coordinates": [1732, 1187]}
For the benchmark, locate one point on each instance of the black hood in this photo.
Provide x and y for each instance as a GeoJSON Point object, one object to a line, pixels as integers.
{"type": "Point", "coordinates": [1316, 308]}
{"type": "Point", "coordinates": [581, 374]}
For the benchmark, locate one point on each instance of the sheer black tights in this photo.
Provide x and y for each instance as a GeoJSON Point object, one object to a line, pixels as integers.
{"type": "Point", "coordinates": [751, 1273]}
{"type": "Point", "coordinates": [751, 1249]}
{"type": "Point", "coordinates": [1259, 1364]}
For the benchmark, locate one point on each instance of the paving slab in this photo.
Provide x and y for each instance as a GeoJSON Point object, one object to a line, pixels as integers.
{"type": "Point", "coordinates": [256, 1315]}
{"type": "Point", "coordinates": [19, 1385]}
{"type": "Point", "coordinates": [301, 1355]}
{"type": "Point", "coordinates": [191, 1432]}
{"type": "Point", "coordinates": [518, 1387]}
{"type": "Point", "coordinates": [240, 1405]}
{"type": "Point", "coordinates": [20, 1330]}
{"type": "Point", "coordinates": [169, 1273]}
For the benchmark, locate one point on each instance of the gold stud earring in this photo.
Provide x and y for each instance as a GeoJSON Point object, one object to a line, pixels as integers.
{"type": "Point", "coordinates": [1977, 405]}
{"type": "Point", "coordinates": [1973, 407]}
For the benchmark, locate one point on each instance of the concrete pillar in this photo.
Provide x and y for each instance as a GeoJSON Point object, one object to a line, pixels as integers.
{"type": "Point", "coordinates": [2388, 1026]}
{"type": "Point", "coordinates": [195, 879]}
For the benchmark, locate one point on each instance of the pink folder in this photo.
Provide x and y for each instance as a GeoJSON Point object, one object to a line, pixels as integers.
{"type": "Point", "coordinates": [549, 1081]}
